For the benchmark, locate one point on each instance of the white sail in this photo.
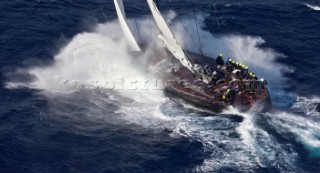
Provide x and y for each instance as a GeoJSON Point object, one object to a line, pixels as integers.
{"type": "Point", "coordinates": [170, 42]}
{"type": "Point", "coordinates": [124, 26]}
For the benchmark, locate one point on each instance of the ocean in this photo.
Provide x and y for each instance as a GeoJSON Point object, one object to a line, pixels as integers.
{"type": "Point", "coordinates": [51, 121]}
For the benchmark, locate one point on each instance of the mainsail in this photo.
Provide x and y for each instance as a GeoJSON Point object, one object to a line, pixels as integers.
{"type": "Point", "coordinates": [167, 37]}
{"type": "Point", "coordinates": [124, 26]}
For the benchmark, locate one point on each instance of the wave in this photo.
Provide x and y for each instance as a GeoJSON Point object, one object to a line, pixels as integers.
{"type": "Point", "coordinates": [309, 107]}
{"type": "Point", "coordinates": [100, 58]}
{"type": "Point", "coordinates": [313, 7]}
{"type": "Point", "coordinates": [305, 131]}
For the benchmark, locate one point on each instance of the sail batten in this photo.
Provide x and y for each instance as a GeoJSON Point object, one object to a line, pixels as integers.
{"type": "Point", "coordinates": [124, 26]}
{"type": "Point", "coordinates": [167, 37]}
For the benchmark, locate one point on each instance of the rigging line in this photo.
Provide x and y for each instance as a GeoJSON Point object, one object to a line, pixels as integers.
{"type": "Point", "coordinates": [220, 27]}
{"type": "Point", "coordinates": [185, 52]}
{"type": "Point", "coordinates": [195, 20]}
{"type": "Point", "coordinates": [135, 20]}
{"type": "Point", "coordinates": [215, 12]}
{"type": "Point", "coordinates": [237, 49]}
{"type": "Point", "coordinates": [150, 30]}
{"type": "Point", "coordinates": [221, 24]}
{"type": "Point", "coordinates": [220, 18]}
{"type": "Point", "coordinates": [104, 14]}
{"type": "Point", "coordinates": [194, 42]}
{"type": "Point", "coordinates": [217, 18]}
{"type": "Point", "coordinates": [218, 23]}
{"type": "Point", "coordinates": [235, 45]}
{"type": "Point", "coordinates": [102, 11]}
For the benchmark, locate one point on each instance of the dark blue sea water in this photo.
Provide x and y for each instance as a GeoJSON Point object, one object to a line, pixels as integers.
{"type": "Point", "coordinates": [48, 127]}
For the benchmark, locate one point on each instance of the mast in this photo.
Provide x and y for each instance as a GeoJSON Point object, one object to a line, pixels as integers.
{"type": "Point", "coordinates": [167, 37]}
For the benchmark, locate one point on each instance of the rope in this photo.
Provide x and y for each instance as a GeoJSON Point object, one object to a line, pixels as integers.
{"type": "Point", "coordinates": [219, 18]}
{"type": "Point", "coordinates": [195, 44]}
{"type": "Point", "coordinates": [215, 11]}
{"type": "Point", "coordinates": [138, 30]}
{"type": "Point", "coordinates": [104, 14]}
{"type": "Point", "coordinates": [195, 21]}
{"type": "Point", "coordinates": [150, 31]}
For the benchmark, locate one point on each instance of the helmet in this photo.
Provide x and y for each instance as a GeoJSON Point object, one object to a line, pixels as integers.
{"type": "Point", "coordinates": [262, 80]}
{"type": "Point", "coordinates": [230, 60]}
{"type": "Point", "coordinates": [233, 62]}
{"type": "Point", "coordinates": [220, 54]}
{"type": "Point", "coordinates": [253, 75]}
{"type": "Point", "coordinates": [237, 63]}
{"type": "Point", "coordinates": [246, 67]}
{"type": "Point", "coordinates": [250, 73]}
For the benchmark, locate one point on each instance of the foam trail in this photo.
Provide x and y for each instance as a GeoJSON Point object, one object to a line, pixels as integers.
{"type": "Point", "coordinates": [305, 131]}
{"type": "Point", "coordinates": [307, 106]}
{"type": "Point", "coordinates": [246, 128]}
{"type": "Point", "coordinates": [266, 150]}
{"type": "Point", "coordinates": [313, 7]}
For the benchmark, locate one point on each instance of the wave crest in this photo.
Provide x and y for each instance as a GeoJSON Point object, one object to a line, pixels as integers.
{"type": "Point", "coordinates": [313, 7]}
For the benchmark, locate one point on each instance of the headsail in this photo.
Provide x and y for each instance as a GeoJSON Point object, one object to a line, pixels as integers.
{"type": "Point", "coordinates": [124, 25]}
{"type": "Point", "coordinates": [171, 43]}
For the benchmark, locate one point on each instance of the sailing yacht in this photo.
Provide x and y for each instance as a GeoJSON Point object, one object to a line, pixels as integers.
{"type": "Point", "coordinates": [199, 80]}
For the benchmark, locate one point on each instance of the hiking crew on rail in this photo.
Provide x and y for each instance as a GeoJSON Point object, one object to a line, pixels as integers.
{"type": "Point", "coordinates": [237, 74]}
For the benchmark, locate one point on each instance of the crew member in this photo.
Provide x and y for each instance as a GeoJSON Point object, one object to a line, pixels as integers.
{"type": "Point", "coordinates": [219, 60]}
{"type": "Point", "coordinates": [242, 70]}
{"type": "Point", "coordinates": [241, 66]}
{"type": "Point", "coordinates": [229, 65]}
{"type": "Point", "coordinates": [246, 71]}
{"type": "Point", "coordinates": [232, 63]}
{"type": "Point", "coordinates": [254, 77]}
{"type": "Point", "coordinates": [229, 68]}
{"type": "Point", "coordinates": [263, 81]}
{"type": "Point", "coordinates": [226, 96]}
{"type": "Point", "coordinates": [229, 61]}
